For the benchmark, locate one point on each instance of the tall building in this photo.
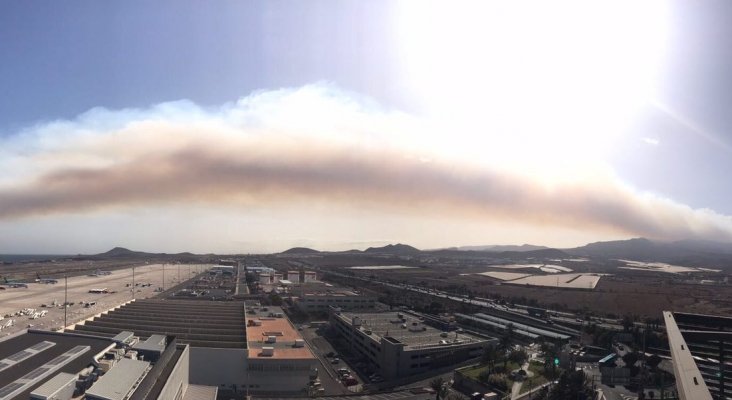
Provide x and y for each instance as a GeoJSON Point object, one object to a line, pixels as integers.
{"type": "Point", "coordinates": [701, 349]}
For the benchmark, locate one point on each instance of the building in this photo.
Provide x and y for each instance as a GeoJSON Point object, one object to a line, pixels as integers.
{"type": "Point", "coordinates": [53, 365]}
{"type": "Point", "coordinates": [226, 350]}
{"type": "Point", "coordinates": [278, 359]}
{"type": "Point", "coordinates": [346, 300]}
{"type": "Point", "coordinates": [293, 276]}
{"type": "Point", "coordinates": [310, 276]}
{"type": "Point", "coordinates": [399, 344]}
{"type": "Point", "coordinates": [701, 351]}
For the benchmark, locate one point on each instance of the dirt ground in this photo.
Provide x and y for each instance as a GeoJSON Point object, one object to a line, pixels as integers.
{"type": "Point", "coordinates": [15, 299]}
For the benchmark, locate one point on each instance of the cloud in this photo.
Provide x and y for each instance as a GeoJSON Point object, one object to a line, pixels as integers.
{"type": "Point", "coordinates": [651, 141]}
{"type": "Point", "coordinates": [315, 143]}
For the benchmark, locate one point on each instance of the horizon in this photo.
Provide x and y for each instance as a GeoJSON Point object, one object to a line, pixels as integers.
{"type": "Point", "coordinates": [261, 126]}
{"type": "Point", "coordinates": [361, 249]}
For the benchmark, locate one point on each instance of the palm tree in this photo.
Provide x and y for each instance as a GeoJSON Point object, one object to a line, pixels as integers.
{"type": "Point", "coordinates": [505, 343]}
{"type": "Point", "coordinates": [438, 385]}
{"type": "Point", "coordinates": [490, 354]}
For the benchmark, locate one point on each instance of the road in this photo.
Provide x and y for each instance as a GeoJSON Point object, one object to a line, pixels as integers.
{"type": "Point", "coordinates": [327, 371]}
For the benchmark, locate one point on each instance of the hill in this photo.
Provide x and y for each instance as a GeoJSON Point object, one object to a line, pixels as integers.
{"type": "Point", "coordinates": [300, 250]}
{"type": "Point", "coordinates": [395, 249]}
{"type": "Point", "coordinates": [685, 252]}
{"type": "Point", "coordinates": [501, 248]}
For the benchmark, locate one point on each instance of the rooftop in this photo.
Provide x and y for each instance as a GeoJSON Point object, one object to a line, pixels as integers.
{"type": "Point", "coordinates": [281, 329]}
{"type": "Point", "coordinates": [400, 327]}
{"type": "Point", "coordinates": [34, 357]}
{"type": "Point", "coordinates": [119, 381]}
{"type": "Point", "coordinates": [200, 323]}
{"type": "Point", "coordinates": [333, 292]}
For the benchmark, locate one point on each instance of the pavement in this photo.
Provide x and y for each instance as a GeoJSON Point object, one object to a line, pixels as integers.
{"type": "Point", "coordinates": [15, 299]}
{"type": "Point", "coordinates": [327, 371]}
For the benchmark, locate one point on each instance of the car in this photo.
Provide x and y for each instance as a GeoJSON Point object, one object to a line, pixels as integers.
{"type": "Point", "coordinates": [335, 360]}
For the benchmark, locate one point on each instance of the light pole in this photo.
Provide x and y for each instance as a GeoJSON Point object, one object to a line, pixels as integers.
{"type": "Point", "coordinates": [133, 282]}
{"type": "Point", "coordinates": [66, 302]}
{"type": "Point", "coordinates": [163, 277]}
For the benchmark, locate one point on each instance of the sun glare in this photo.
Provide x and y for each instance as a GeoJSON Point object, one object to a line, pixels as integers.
{"type": "Point", "coordinates": [530, 83]}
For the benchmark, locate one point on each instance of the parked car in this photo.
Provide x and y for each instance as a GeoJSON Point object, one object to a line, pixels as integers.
{"type": "Point", "coordinates": [335, 360]}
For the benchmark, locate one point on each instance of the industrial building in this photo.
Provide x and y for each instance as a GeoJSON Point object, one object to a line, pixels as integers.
{"type": "Point", "coordinates": [400, 344]}
{"type": "Point", "coordinates": [233, 345]}
{"type": "Point", "coordinates": [322, 300]}
{"type": "Point", "coordinates": [58, 366]}
{"type": "Point", "coordinates": [279, 359]}
{"type": "Point", "coordinates": [497, 324]}
{"type": "Point", "coordinates": [701, 350]}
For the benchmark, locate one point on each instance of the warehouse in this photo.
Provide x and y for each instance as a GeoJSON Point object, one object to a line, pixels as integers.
{"type": "Point", "coordinates": [52, 365]}
{"type": "Point", "coordinates": [224, 352]}
{"type": "Point", "coordinates": [400, 344]}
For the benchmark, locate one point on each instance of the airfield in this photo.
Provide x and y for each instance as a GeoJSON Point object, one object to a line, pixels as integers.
{"type": "Point", "coordinates": [148, 278]}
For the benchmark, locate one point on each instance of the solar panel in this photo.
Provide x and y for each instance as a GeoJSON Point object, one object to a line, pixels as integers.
{"type": "Point", "coordinates": [58, 360]}
{"type": "Point", "coordinates": [35, 373]}
{"type": "Point", "coordinates": [7, 390]}
{"type": "Point", "coordinates": [42, 346]}
{"type": "Point", "coordinates": [20, 356]}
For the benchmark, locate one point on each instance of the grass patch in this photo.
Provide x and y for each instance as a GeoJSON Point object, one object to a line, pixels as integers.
{"type": "Point", "coordinates": [473, 372]}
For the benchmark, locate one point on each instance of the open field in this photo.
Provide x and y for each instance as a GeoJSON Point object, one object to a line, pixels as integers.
{"type": "Point", "coordinates": [549, 268]}
{"type": "Point", "coordinates": [15, 299]}
{"type": "Point", "coordinates": [504, 276]}
{"type": "Point", "coordinates": [570, 281]}
{"type": "Point", "coordinates": [662, 267]}
{"type": "Point", "coordinates": [381, 267]}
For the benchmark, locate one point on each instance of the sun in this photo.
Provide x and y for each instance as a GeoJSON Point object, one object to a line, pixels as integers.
{"type": "Point", "coordinates": [527, 83]}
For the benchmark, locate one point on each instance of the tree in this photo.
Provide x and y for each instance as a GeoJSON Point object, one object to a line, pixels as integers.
{"type": "Point", "coordinates": [505, 343]}
{"type": "Point", "coordinates": [489, 357]}
{"type": "Point", "coordinates": [518, 356]}
{"type": "Point", "coordinates": [438, 384]}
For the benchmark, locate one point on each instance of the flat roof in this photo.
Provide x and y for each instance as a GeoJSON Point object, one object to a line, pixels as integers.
{"type": "Point", "coordinates": [54, 384]}
{"type": "Point", "coordinates": [284, 332]}
{"type": "Point", "coordinates": [336, 293]}
{"type": "Point", "coordinates": [389, 325]}
{"type": "Point", "coordinates": [200, 323]}
{"type": "Point", "coordinates": [62, 343]}
{"type": "Point", "coordinates": [199, 392]}
{"type": "Point", "coordinates": [119, 381]}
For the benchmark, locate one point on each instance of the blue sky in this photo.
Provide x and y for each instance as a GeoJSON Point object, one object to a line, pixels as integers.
{"type": "Point", "coordinates": [392, 71]}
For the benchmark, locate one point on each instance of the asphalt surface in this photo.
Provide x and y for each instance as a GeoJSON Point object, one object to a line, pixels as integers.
{"type": "Point", "coordinates": [15, 299]}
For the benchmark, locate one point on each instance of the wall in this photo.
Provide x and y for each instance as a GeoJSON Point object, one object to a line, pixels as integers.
{"type": "Point", "coordinates": [178, 379]}
{"type": "Point", "coordinates": [214, 367]}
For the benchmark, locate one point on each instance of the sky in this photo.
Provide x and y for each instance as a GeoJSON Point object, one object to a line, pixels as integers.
{"type": "Point", "coordinates": [258, 126]}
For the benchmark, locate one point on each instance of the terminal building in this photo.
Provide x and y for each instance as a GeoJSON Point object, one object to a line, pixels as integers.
{"type": "Point", "coordinates": [45, 365]}
{"type": "Point", "coordinates": [399, 344]}
{"type": "Point", "coordinates": [233, 346]}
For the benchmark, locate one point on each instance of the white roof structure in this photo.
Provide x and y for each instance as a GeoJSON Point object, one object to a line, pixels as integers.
{"type": "Point", "coordinates": [119, 381]}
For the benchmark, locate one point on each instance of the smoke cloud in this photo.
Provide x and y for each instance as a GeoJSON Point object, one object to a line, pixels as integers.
{"type": "Point", "coordinates": [299, 145]}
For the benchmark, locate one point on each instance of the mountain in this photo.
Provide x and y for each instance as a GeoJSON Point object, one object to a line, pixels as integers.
{"type": "Point", "coordinates": [300, 250]}
{"type": "Point", "coordinates": [396, 249]}
{"type": "Point", "coordinates": [684, 252]}
{"type": "Point", "coordinates": [122, 252]}
{"type": "Point", "coordinates": [501, 248]}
